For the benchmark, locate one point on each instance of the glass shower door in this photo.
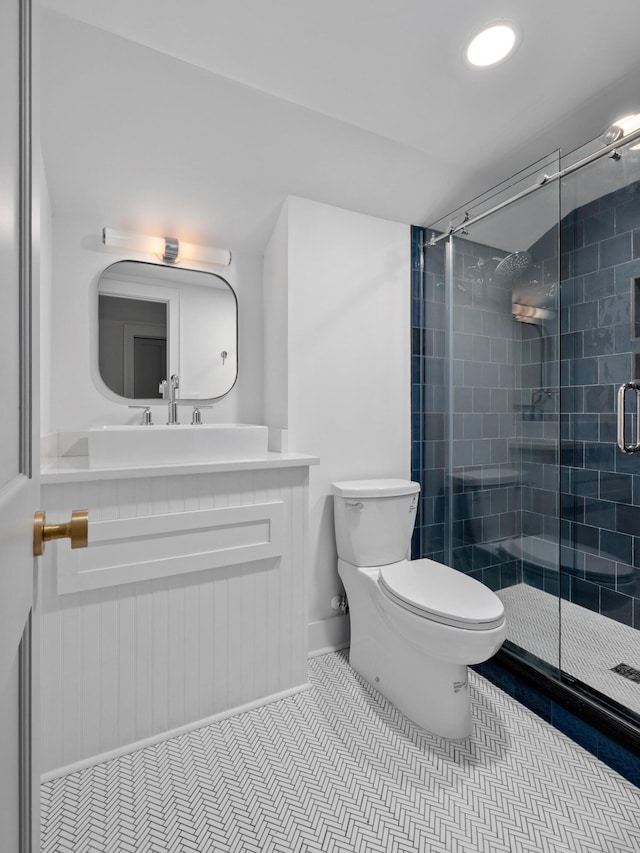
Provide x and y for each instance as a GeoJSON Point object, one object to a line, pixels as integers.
{"type": "Point", "coordinates": [503, 426]}
{"type": "Point", "coordinates": [600, 482]}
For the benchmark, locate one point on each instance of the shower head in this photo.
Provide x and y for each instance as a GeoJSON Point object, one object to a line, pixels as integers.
{"type": "Point", "coordinates": [513, 264]}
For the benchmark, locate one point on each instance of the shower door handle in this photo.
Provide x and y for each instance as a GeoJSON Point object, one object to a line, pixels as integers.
{"type": "Point", "coordinates": [622, 392]}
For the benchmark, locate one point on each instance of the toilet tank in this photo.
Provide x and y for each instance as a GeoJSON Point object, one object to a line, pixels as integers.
{"type": "Point", "coordinates": [374, 520]}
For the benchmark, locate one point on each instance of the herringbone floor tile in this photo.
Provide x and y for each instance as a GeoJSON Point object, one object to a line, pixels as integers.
{"type": "Point", "coordinates": [592, 644]}
{"type": "Point", "coordinates": [337, 768]}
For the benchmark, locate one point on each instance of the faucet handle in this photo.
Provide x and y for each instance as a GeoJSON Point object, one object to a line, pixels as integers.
{"type": "Point", "coordinates": [163, 388]}
{"type": "Point", "coordinates": [146, 414]}
{"type": "Point", "coordinates": [196, 418]}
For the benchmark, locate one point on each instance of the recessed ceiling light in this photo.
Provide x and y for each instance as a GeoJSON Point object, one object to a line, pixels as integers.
{"type": "Point", "coordinates": [491, 45]}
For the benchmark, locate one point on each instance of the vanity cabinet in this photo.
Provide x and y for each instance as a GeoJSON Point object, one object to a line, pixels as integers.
{"type": "Point", "coordinates": [189, 602]}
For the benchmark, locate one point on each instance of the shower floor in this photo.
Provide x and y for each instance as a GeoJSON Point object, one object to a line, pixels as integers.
{"type": "Point", "coordinates": [337, 768]}
{"type": "Point", "coordinates": [591, 644]}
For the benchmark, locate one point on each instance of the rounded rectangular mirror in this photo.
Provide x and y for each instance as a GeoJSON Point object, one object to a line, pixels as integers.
{"type": "Point", "coordinates": [155, 321]}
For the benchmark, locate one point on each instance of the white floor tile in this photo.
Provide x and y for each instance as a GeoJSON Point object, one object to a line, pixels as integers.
{"type": "Point", "coordinates": [337, 768]}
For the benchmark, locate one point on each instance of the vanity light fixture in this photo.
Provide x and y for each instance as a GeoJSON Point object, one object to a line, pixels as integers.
{"type": "Point", "coordinates": [170, 249]}
{"type": "Point", "coordinates": [492, 44]}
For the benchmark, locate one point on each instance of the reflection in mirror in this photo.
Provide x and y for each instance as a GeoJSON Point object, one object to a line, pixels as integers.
{"type": "Point", "coordinates": [155, 321]}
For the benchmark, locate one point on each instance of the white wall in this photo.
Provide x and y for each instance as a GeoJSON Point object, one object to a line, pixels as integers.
{"type": "Point", "coordinates": [275, 289]}
{"type": "Point", "coordinates": [348, 366]}
{"type": "Point", "coordinates": [76, 403]}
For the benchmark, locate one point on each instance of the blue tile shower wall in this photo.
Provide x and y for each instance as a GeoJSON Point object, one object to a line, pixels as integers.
{"type": "Point", "coordinates": [468, 527]}
{"type": "Point", "coordinates": [486, 474]}
{"type": "Point", "coordinates": [428, 400]}
{"type": "Point", "coordinates": [505, 414]}
{"type": "Point", "coordinates": [600, 541]}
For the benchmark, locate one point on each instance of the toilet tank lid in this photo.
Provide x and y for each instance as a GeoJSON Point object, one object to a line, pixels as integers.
{"type": "Point", "coordinates": [375, 488]}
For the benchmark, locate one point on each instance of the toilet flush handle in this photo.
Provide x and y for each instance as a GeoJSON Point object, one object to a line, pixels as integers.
{"type": "Point", "coordinates": [357, 505]}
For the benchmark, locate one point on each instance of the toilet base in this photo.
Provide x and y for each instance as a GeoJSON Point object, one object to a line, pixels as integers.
{"type": "Point", "coordinates": [420, 665]}
{"type": "Point", "coordinates": [433, 694]}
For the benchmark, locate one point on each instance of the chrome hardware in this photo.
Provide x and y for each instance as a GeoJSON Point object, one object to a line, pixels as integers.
{"type": "Point", "coordinates": [357, 505]}
{"type": "Point", "coordinates": [147, 419]}
{"type": "Point", "coordinates": [196, 417]}
{"type": "Point", "coordinates": [171, 250]}
{"type": "Point", "coordinates": [622, 390]}
{"type": "Point", "coordinates": [339, 602]}
{"type": "Point", "coordinates": [77, 530]}
{"type": "Point", "coordinates": [168, 391]}
{"type": "Point", "coordinates": [223, 355]}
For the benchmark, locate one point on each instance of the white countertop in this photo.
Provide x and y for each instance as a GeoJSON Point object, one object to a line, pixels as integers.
{"type": "Point", "coordinates": [75, 469]}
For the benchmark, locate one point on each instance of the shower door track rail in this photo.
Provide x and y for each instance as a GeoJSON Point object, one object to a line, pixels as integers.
{"type": "Point", "coordinates": [575, 697]}
{"type": "Point", "coordinates": [544, 180]}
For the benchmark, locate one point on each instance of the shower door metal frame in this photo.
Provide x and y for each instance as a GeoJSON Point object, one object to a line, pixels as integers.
{"type": "Point", "coordinates": [586, 702]}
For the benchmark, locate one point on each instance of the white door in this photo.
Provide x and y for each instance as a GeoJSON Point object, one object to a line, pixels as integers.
{"type": "Point", "coordinates": [19, 490]}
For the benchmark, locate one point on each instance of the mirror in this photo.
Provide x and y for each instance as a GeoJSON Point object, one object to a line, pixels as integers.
{"type": "Point", "coordinates": [156, 320]}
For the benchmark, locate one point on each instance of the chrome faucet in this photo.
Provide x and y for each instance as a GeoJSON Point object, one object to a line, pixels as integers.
{"type": "Point", "coordinates": [168, 391]}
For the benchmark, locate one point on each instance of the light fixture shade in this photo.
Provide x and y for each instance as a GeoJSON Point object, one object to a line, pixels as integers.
{"type": "Point", "coordinates": [137, 242]}
{"type": "Point", "coordinates": [165, 247]}
{"type": "Point", "coordinates": [189, 251]}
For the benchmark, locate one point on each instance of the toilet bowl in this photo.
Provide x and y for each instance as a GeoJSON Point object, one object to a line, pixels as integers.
{"type": "Point", "coordinates": [415, 624]}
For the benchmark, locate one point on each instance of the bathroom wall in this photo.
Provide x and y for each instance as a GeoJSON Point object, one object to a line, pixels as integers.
{"type": "Point", "coordinates": [343, 393]}
{"type": "Point", "coordinates": [276, 323]}
{"type": "Point", "coordinates": [78, 259]}
{"type": "Point", "coordinates": [600, 552]}
{"type": "Point", "coordinates": [590, 503]}
{"type": "Point", "coordinates": [480, 383]}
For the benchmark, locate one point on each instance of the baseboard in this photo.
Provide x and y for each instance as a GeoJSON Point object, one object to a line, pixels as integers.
{"type": "Point", "coordinates": [102, 757]}
{"type": "Point", "coordinates": [316, 653]}
{"type": "Point", "coordinates": [328, 635]}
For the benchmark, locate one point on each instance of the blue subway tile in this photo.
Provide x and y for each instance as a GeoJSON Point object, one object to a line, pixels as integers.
{"type": "Point", "coordinates": [614, 368]}
{"type": "Point", "coordinates": [599, 455]}
{"type": "Point", "coordinates": [585, 260]}
{"type": "Point", "coordinates": [599, 284]}
{"type": "Point", "coordinates": [598, 398]}
{"type": "Point", "coordinates": [583, 316]}
{"type": "Point", "coordinates": [617, 546]}
{"type": "Point", "coordinates": [575, 728]}
{"type": "Point", "coordinates": [585, 371]}
{"type": "Point", "coordinates": [534, 700]}
{"type": "Point", "coordinates": [613, 310]}
{"type": "Point", "coordinates": [619, 758]}
{"type": "Point", "coordinates": [616, 606]}
{"type": "Point", "coordinates": [627, 216]}
{"type": "Point", "coordinates": [596, 341]}
{"type": "Point", "coordinates": [616, 487]}
{"type": "Point", "coordinates": [628, 519]}
{"type": "Point", "coordinates": [616, 250]}
{"type": "Point", "coordinates": [585, 594]}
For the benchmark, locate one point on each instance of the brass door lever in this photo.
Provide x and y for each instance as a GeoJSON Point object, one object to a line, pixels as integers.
{"type": "Point", "coordinates": [77, 530]}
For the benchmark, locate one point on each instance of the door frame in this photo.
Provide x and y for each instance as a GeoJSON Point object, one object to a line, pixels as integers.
{"type": "Point", "coordinates": [28, 799]}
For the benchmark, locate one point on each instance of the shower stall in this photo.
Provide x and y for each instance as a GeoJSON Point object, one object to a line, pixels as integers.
{"type": "Point", "coordinates": [526, 352]}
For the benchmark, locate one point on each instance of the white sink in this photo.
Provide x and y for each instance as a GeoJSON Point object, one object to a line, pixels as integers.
{"type": "Point", "coordinates": [136, 445]}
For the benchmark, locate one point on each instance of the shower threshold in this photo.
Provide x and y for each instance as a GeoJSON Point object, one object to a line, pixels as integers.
{"type": "Point", "coordinates": [592, 644]}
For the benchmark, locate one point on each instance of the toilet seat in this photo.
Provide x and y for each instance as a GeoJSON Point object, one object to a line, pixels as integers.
{"type": "Point", "coordinates": [442, 594]}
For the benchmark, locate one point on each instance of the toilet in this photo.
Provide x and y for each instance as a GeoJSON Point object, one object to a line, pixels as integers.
{"type": "Point", "coordinates": [415, 624]}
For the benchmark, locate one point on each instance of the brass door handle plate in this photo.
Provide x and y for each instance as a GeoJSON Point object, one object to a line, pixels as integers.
{"type": "Point", "coordinates": [77, 530]}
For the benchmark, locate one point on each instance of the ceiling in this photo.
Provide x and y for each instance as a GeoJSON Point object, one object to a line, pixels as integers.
{"type": "Point", "coordinates": [199, 118]}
